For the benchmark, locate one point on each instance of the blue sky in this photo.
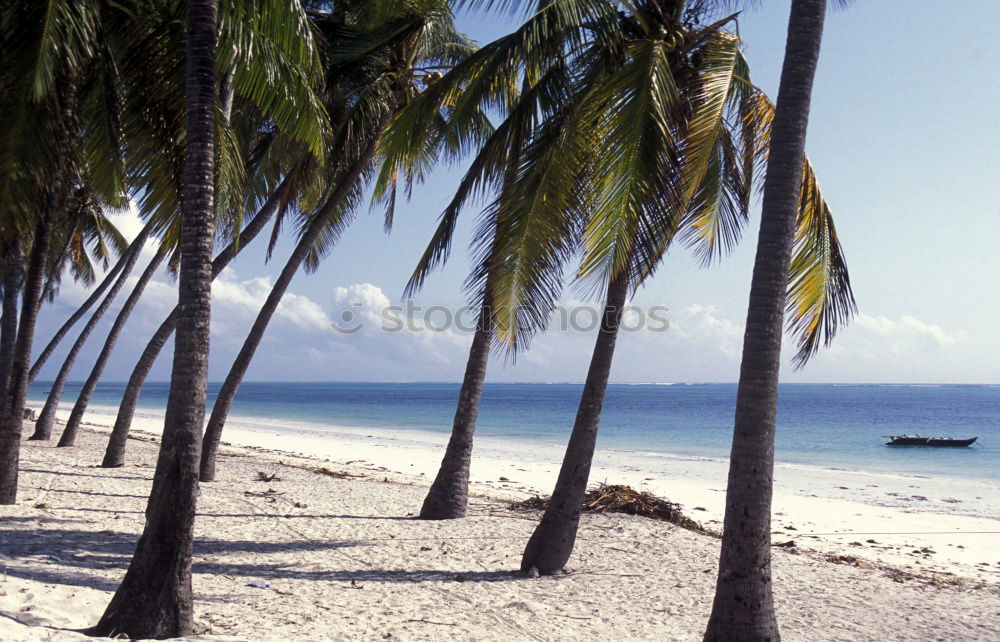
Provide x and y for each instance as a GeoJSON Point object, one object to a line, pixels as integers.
{"type": "Point", "coordinates": [903, 135]}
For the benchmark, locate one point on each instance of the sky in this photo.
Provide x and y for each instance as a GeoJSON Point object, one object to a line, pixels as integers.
{"type": "Point", "coordinates": [903, 135]}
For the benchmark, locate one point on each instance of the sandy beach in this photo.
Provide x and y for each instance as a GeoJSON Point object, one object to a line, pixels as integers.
{"type": "Point", "coordinates": [343, 558]}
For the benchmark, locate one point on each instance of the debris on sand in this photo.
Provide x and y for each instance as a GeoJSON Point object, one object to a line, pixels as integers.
{"type": "Point", "coordinates": [617, 498]}
{"type": "Point", "coordinates": [333, 473]}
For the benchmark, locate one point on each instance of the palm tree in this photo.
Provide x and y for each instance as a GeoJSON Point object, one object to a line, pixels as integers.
{"type": "Point", "coordinates": [154, 599]}
{"type": "Point", "coordinates": [60, 96]}
{"type": "Point", "coordinates": [78, 314]}
{"type": "Point", "coordinates": [706, 193]}
{"type": "Point", "coordinates": [43, 426]}
{"type": "Point", "coordinates": [522, 267]}
{"type": "Point", "coordinates": [68, 437]}
{"type": "Point", "coordinates": [114, 455]}
{"type": "Point", "coordinates": [660, 132]}
{"type": "Point", "coordinates": [743, 607]}
{"type": "Point", "coordinates": [271, 68]}
{"type": "Point", "coordinates": [389, 53]}
{"type": "Point", "coordinates": [487, 76]}
{"type": "Point", "coordinates": [8, 321]}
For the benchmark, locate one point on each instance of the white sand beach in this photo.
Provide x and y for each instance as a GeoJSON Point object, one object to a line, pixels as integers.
{"type": "Point", "coordinates": [343, 558]}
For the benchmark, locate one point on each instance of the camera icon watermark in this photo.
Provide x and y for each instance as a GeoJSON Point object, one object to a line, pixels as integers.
{"type": "Point", "coordinates": [350, 321]}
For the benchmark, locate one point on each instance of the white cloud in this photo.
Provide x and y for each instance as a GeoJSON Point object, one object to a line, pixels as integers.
{"type": "Point", "coordinates": [906, 330]}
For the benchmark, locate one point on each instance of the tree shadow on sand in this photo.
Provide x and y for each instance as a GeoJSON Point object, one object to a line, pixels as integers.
{"type": "Point", "coordinates": [64, 556]}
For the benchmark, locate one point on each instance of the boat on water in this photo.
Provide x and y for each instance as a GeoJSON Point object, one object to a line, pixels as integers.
{"type": "Point", "coordinates": [917, 440]}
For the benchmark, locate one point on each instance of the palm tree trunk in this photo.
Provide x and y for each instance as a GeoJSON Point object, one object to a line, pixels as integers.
{"type": "Point", "coordinates": [448, 497]}
{"type": "Point", "coordinates": [12, 418]}
{"type": "Point", "coordinates": [13, 407]}
{"type": "Point", "coordinates": [43, 427]}
{"type": "Point", "coordinates": [155, 598]}
{"type": "Point", "coordinates": [89, 303]}
{"type": "Point", "coordinates": [114, 454]}
{"type": "Point", "coordinates": [551, 544]}
{"type": "Point", "coordinates": [743, 608]}
{"type": "Point", "coordinates": [83, 399]}
{"type": "Point", "coordinates": [227, 393]}
{"type": "Point", "coordinates": [8, 322]}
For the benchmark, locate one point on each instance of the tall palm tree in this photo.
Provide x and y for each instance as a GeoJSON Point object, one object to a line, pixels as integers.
{"type": "Point", "coordinates": [59, 96]}
{"type": "Point", "coordinates": [488, 76]}
{"type": "Point", "coordinates": [743, 607]}
{"type": "Point", "coordinates": [376, 72]}
{"type": "Point", "coordinates": [693, 65]}
{"type": "Point", "coordinates": [154, 599]}
{"type": "Point", "coordinates": [269, 68]}
{"type": "Point", "coordinates": [705, 188]}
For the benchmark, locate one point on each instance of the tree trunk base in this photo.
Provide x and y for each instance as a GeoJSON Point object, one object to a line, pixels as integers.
{"type": "Point", "coordinates": [549, 547]}
{"type": "Point", "coordinates": [153, 600]}
{"type": "Point", "coordinates": [763, 629]}
{"type": "Point", "coordinates": [441, 505]}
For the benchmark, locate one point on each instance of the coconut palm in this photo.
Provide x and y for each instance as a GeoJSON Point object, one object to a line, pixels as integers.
{"type": "Point", "coordinates": [376, 71]}
{"type": "Point", "coordinates": [518, 268]}
{"type": "Point", "coordinates": [743, 607]}
{"type": "Point", "coordinates": [114, 455]}
{"type": "Point", "coordinates": [68, 437]}
{"type": "Point", "coordinates": [84, 307]}
{"type": "Point", "coordinates": [268, 67]}
{"type": "Point", "coordinates": [681, 129]}
{"type": "Point", "coordinates": [13, 269]}
{"type": "Point", "coordinates": [154, 599]}
{"type": "Point", "coordinates": [440, 120]}
{"type": "Point", "coordinates": [241, 146]}
{"type": "Point", "coordinates": [48, 51]}
{"type": "Point", "coordinates": [43, 426]}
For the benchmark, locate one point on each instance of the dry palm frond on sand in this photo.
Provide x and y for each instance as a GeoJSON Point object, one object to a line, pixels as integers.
{"type": "Point", "coordinates": [617, 498]}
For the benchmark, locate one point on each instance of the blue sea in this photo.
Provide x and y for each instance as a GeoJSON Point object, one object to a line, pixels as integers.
{"type": "Point", "coordinates": [827, 426]}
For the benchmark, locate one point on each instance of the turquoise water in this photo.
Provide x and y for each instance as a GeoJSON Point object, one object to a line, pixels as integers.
{"type": "Point", "coordinates": [830, 426]}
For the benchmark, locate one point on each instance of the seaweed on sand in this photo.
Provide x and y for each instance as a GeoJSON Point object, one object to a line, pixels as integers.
{"type": "Point", "coordinates": [618, 498]}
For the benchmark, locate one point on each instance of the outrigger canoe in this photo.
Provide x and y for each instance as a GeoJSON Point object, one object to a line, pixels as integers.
{"type": "Point", "coordinates": [917, 440]}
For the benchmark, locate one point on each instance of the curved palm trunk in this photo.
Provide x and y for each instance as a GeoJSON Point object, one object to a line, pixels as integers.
{"type": "Point", "coordinates": [12, 418]}
{"type": "Point", "coordinates": [743, 608]}
{"type": "Point", "coordinates": [61, 333]}
{"type": "Point", "coordinates": [83, 399]}
{"type": "Point", "coordinates": [227, 393]}
{"type": "Point", "coordinates": [155, 599]}
{"type": "Point", "coordinates": [448, 497]}
{"type": "Point", "coordinates": [43, 427]}
{"type": "Point", "coordinates": [552, 542]}
{"type": "Point", "coordinates": [114, 454]}
{"type": "Point", "coordinates": [13, 408]}
{"type": "Point", "coordinates": [8, 322]}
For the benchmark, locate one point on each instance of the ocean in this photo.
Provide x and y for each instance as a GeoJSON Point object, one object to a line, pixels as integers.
{"type": "Point", "coordinates": [823, 426]}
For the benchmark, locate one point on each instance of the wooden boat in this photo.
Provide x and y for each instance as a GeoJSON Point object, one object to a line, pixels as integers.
{"type": "Point", "coordinates": [917, 440]}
